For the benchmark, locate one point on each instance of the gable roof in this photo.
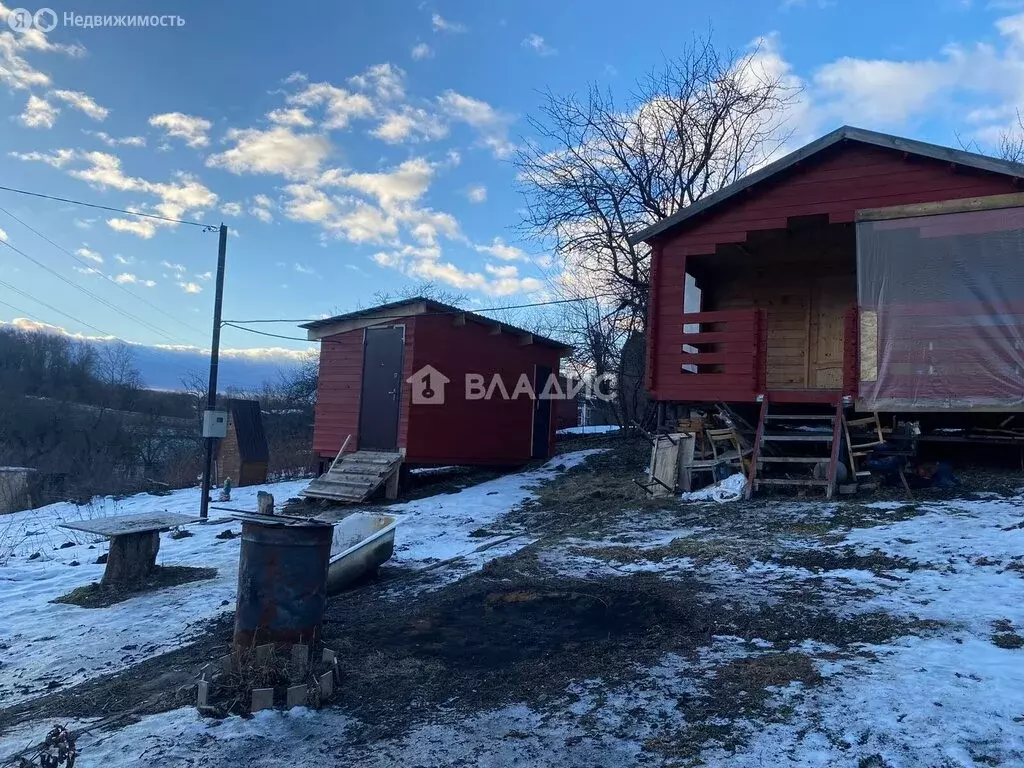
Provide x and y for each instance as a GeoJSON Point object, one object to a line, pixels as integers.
{"type": "Point", "coordinates": [845, 133]}
{"type": "Point", "coordinates": [420, 305]}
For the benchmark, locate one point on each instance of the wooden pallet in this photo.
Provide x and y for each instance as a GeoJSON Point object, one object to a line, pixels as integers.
{"type": "Point", "coordinates": [354, 478]}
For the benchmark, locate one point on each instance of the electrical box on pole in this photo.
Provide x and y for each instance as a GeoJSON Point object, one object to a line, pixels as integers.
{"type": "Point", "coordinates": [215, 424]}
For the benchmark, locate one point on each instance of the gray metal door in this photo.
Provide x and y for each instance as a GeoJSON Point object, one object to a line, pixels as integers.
{"type": "Point", "coordinates": [383, 350]}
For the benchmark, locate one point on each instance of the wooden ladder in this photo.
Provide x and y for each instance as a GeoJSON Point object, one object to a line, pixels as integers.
{"type": "Point", "coordinates": [829, 436]}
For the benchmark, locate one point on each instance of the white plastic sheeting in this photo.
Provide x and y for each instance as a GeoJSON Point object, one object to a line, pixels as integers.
{"type": "Point", "coordinates": [941, 303]}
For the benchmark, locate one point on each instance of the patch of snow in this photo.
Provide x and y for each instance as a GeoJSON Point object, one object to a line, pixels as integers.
{"type": "Point", "coordinates": [597, 429]}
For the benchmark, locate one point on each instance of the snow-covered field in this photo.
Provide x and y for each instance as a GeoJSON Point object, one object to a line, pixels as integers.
{"type": "Point", "coordinates": [945, 688]}
{"type": "Point", "coordinates": [45, 645]}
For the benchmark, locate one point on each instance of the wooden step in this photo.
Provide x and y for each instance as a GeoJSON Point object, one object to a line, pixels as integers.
{"type": "Point", "coordinates": [799, 417]}
{"type": "Point", "coordinates": [790, 481]}
{"type": "Point", "coordinates": [823, 437]}
{"type": "Point", "coordinates": [792, 459]}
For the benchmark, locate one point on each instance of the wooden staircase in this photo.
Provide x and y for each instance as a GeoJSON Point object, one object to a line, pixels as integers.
{"type": "Point", "coordinates": [781, 433]}
{"type": "Point", "coordinates": [354, 477]}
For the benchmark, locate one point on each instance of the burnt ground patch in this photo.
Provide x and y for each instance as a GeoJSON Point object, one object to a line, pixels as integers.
{"type": "Point", "coordinates": [96, 595]}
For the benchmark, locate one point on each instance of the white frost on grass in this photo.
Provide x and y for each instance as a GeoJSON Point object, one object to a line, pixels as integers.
{"type": "Point", "coordinates": [47, 644]}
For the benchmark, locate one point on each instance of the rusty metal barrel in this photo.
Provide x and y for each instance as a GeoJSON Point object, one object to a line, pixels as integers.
{"type": "Point", "coordinates": [282, 582]}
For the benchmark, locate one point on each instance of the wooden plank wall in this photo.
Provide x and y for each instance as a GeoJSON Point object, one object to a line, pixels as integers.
{"type": "Point", "coordinates": [805, 283]}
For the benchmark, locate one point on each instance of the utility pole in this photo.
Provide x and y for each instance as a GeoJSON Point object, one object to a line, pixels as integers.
{"type": "Point", "coordinates": [211, 395]}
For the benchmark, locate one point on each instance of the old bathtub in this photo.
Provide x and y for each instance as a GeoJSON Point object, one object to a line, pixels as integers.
{"type": "Point", "coordinates": [362, 542]}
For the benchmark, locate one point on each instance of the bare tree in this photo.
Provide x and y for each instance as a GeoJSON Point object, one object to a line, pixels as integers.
{"type": "Point", "coordinates": [427, 289]}
{"type": "Point", "coordinates": [1010, 146]}
{"type": "Point", "coordinates": [599, 171]}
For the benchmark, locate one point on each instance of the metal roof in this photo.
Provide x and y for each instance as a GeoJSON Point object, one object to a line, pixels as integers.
{"type": "Point", "coordinates": [845, 133]}
{"type": "Point", "coordinates": [393, 311]}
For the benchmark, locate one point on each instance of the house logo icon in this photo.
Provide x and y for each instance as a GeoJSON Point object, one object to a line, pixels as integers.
{"type": "Point", "coordinates": [428, 386]}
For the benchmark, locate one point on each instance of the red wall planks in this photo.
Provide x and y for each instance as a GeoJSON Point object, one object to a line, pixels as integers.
{"type": "Point", "coordinates": [462, 431]}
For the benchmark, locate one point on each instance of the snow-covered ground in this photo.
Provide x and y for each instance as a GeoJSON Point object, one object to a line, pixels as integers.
{"type": "Point", "coordinates": [597, 429]}
{"type": "Point", "coordinates": [45, 644]}
{"type": "Point", "coordinates": [941, 694]}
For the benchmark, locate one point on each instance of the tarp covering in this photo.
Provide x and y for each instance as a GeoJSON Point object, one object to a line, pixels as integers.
{"type": "Point", "coordinates": [941, 304]}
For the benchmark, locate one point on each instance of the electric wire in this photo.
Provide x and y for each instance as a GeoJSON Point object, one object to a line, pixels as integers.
{"type": "Point", "coordinates": [454, 310]}
{"type": "Point", "coordinates": [107, 277]}
{"type": "Point", "coordinates": [89, 293]}
{"type": "Point", "coordinates": [52, 308]}
{"type": "Point", "coordinates": [206, 227]}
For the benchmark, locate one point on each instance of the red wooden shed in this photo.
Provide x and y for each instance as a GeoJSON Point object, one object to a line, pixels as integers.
{"type": "Point", "coordinates": [429, 381]}
{"type": "Point", "coordinates": [863, 269]}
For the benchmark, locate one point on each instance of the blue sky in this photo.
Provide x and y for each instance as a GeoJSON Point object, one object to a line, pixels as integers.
{"type": "Point", "coordinates": [360, 146]}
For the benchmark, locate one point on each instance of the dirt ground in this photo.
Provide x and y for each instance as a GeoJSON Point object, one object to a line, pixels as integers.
{"type": "Point", "coordinates": [519, 631]}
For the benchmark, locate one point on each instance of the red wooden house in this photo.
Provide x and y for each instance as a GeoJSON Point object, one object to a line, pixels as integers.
{"type": "Point", "coordinates": [410, 378]}
{"type": "Point", "coordinates": [929, 238]}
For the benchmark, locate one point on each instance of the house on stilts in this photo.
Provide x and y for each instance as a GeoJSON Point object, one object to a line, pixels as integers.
{"type": "Point", "coordinates": [863, 273]}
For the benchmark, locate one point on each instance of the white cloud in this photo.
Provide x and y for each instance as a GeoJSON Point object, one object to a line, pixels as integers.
{"type": "Point", "coordinates": [87, 270]}
{"type": "Point", "coordinates": [126, 278]}
{"type": "Point", "coordinates": [3, 235]}
{"type": "Point", "coordinates": [144, 228]}
{"type": "Point", "coordinates": [421, 51]}
{"type": "Point", "coordinates": [56, 159]}
{"type": "Point", "coordinates": [502, 250]}
{"type": "Point", "coordinates": [85, 253]}
{"type": "Point", "coordinates": [17, 73]}
{"type": "Point", "coordinates": [189, 128]}
{"type": "Point", "coordinates": [304, 270]}
{"type": "Point", "coordinates": [538, 45]}
{"type": "Point", "coordinates": [179, 269]}
{"type": "Point", "coordinates": [294, 117]}
{"type": "Point", "coordinates": [190, 287]}
{"type": "Point", "coordinates": [440, 24]}
{"type": "Point", "coordinates": [409, 181]}
{"type": "Point", "coordinates": [84, 223]}
{"type": "Point", "coordinates": [492, 125]}
{"type": "Point", "coordinates": [261, 208]}
{"type": "Point", "coordinates": [477, 193]}
{"type": "Point", "coordinates": [231, 209]}
{"type": "Point", "coordinates": [123, 259]}
{"type": "Point", "coordinates": [205, 276]}
{"type": "Point", "coordinates": [110, 141]}
{"type": "Point", "coordinates": [82, 102]}
{"type": "Point", "coordinates": [275, 151]}
{"type": "Point", "coordinates": [385, 80]}
{"type": "Point", "coordinates": [410, 124]}
{"type": "Point", "coordinates": [340, 106]}
{"type": "Point", "coordinates": [147, 283]}
{"type": "Point", "coordinates": [38, 113]}
{"type": "Point", "coordinates": [506, 270]}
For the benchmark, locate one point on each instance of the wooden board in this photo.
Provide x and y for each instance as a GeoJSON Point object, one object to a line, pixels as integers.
{"type": "Point", "coordinates": [123, 525]}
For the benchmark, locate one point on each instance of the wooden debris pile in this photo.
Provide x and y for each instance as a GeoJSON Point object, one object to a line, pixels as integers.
{"type": "Point", "coordinates": [268, 676]}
